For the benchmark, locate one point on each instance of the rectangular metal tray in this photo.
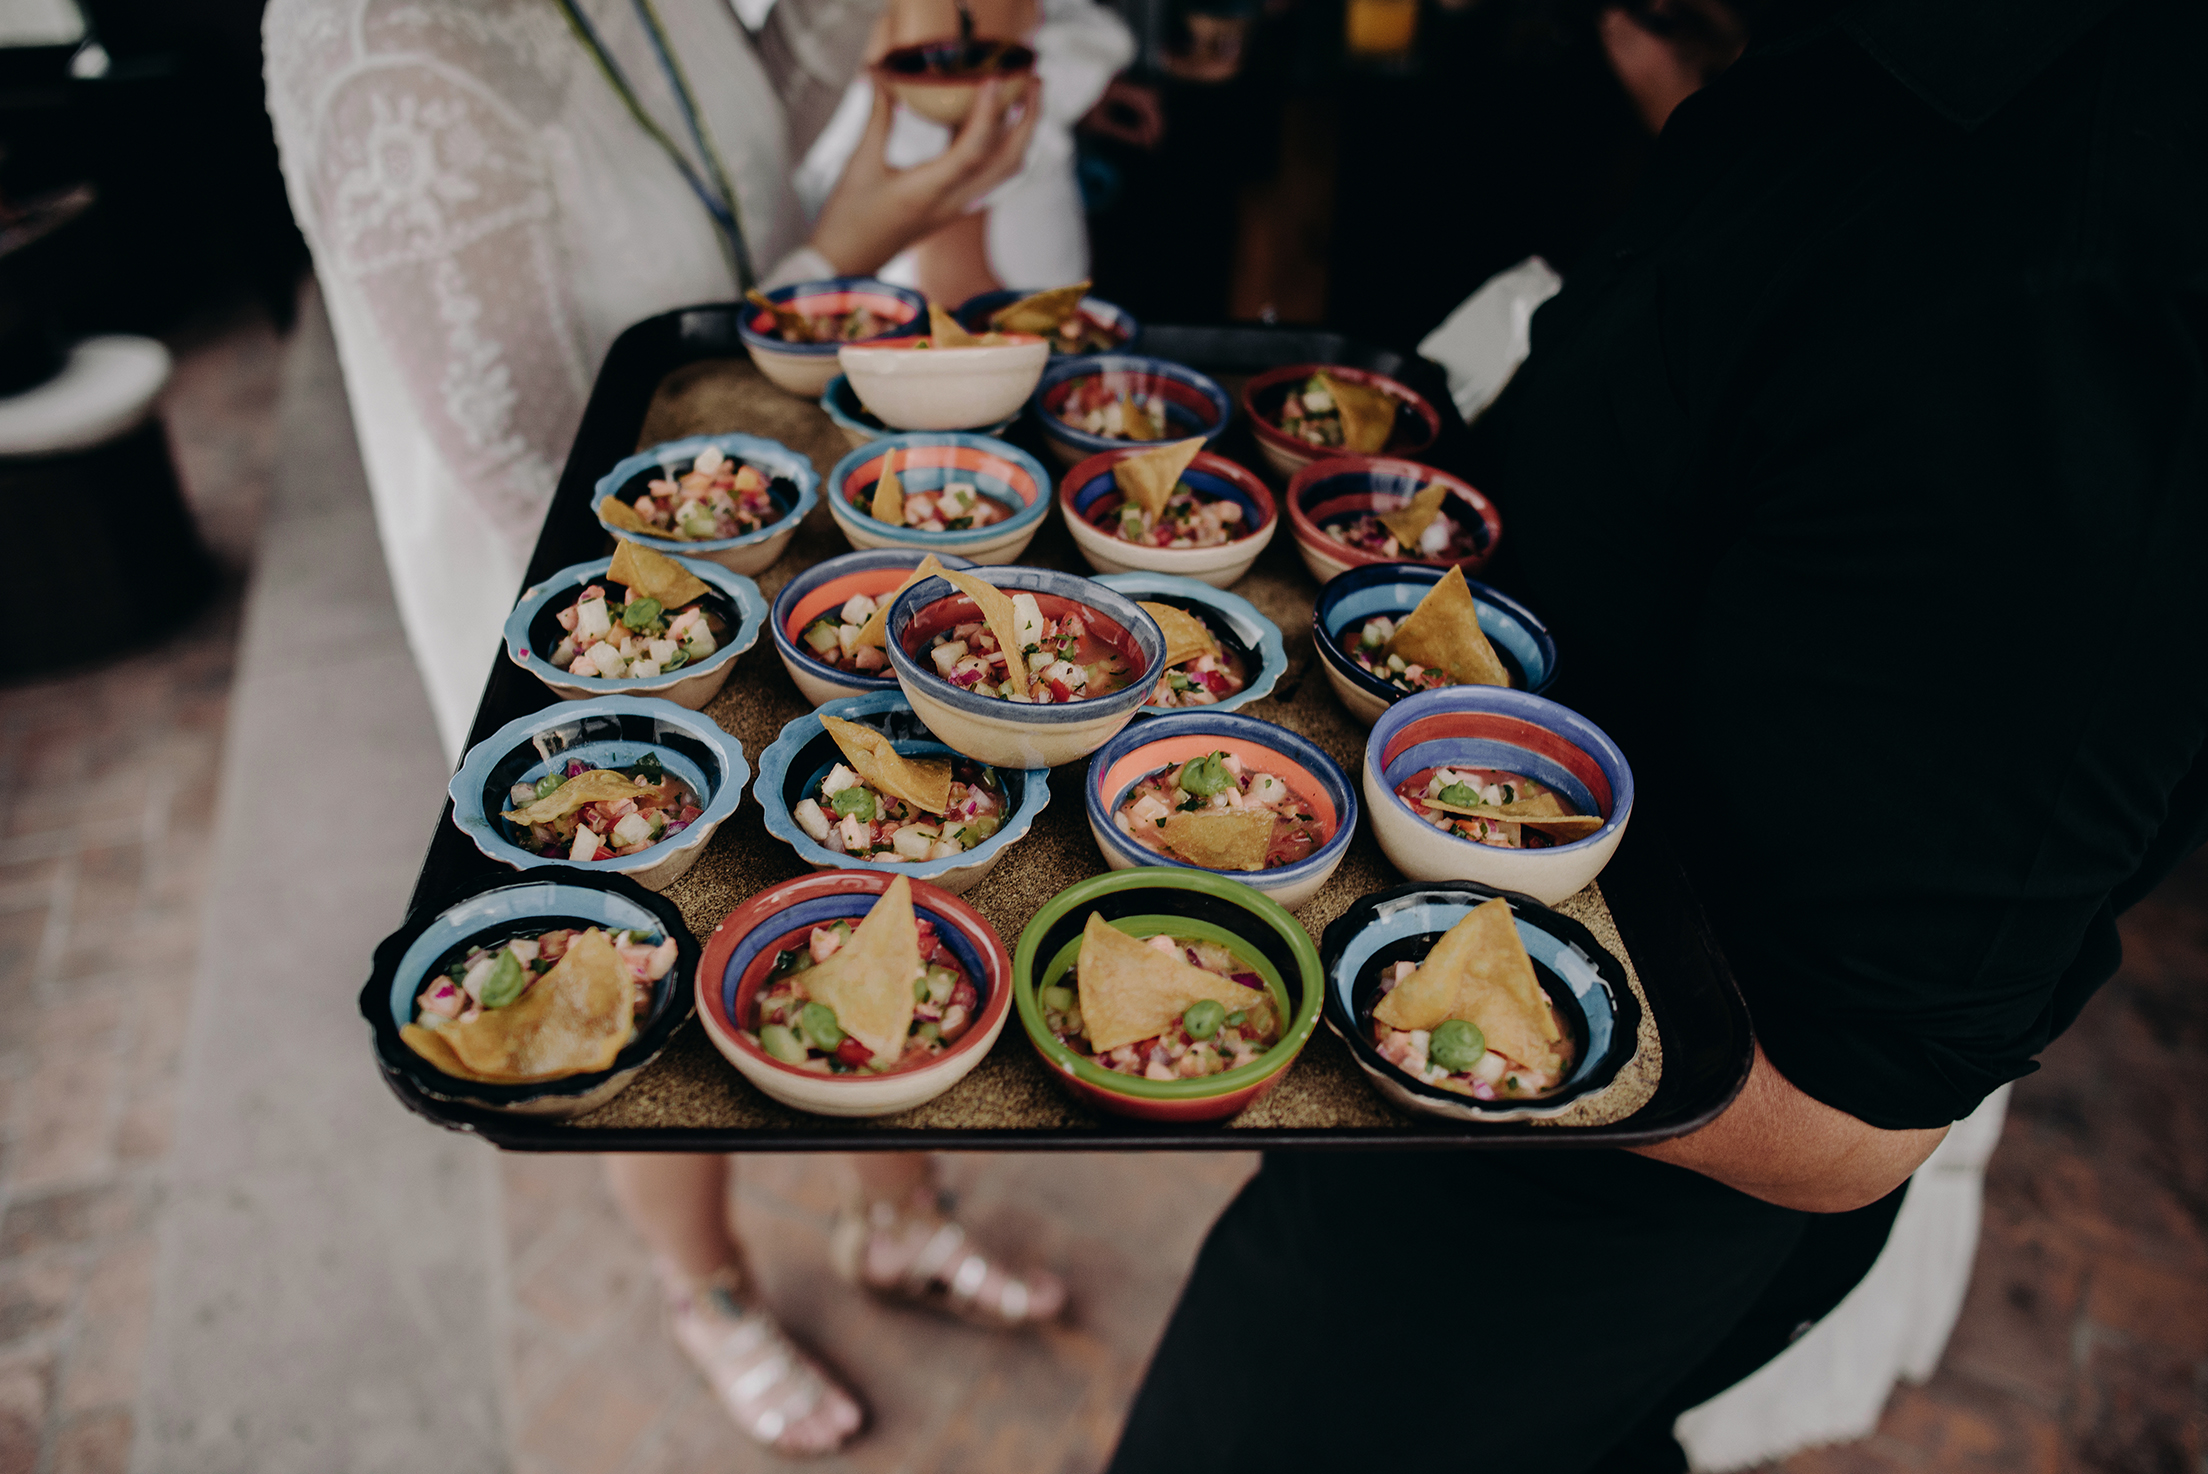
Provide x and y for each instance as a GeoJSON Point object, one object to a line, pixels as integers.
{"type": "Point", "coordinates": [680, 373]}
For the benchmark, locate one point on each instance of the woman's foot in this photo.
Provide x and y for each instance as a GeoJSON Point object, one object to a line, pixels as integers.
{"type": "Point", "coordinates": [916, 1254]}
{"type": "Point", "coordinates": [777, 1394]}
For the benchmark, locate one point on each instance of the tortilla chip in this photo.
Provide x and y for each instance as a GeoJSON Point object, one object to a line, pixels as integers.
{"type": "Point", "coordinates": [1479, 972]}
{"type": "Point", "coordinates": [1186, 636]}
{"type": "Point", "coordinates": [1148, 479]}
{"type": "Point", "coordinates": [1221, 839]}
{"type": "Point", "coordinates": [1544, 811]}
{"type": "Point", "coordinates": [996, 611]}
{"type": "Point", "coordinates": [1368, 415]}
{"type": "Point", "coordinates": [1134, 421]}
{"type": "Point", "coordinates": [868, 982]}
{"type": "Point", "coordinates": [889, 494]}
{"type": "Point", "coordinates": [620, 514]}
{"type": "Point", "coordinates": [575, 1018]}
{"type": "Point", "coordinates": [923, 782]}
{"type": "Point", "coordinates": [1130, 990]}
{"type": "Point", "coordinates": [944, 331]}
{"type": "Point", "coordinates": [1409, 524]}
{"type": "Point", "coordinates": [1443, 633]}
{"type": "Point", "coordinates": [787, 320]}
{"type": "Point", "coordinates": [875, 631]}
{"type": "Point", "coordinates": [598, 785]}
{"type": "Point", "coordinates": [1041, 312]}
{"type": "Point", "coordinates": [651, 575]}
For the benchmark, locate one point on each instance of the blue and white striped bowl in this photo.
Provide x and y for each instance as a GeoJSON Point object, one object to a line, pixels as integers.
{"type": "Point", "coordinates": [1394, 589]}
{"type": "Point", "coordinates": [748, 554]}
{"type": "Point", "coordinates": [532, 630]}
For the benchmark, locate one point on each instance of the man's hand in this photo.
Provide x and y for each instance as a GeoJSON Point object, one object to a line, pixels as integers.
{"type": "Point", "coordinates": [1782, 1146]}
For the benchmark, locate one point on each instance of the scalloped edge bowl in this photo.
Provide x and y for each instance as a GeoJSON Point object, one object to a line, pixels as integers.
{"type": "Point", "coordinates": [691, 687]}
{"type": "Point", "coordinates": [753, 552]}
{"type": "Point", "coordinates": [1242, 617]}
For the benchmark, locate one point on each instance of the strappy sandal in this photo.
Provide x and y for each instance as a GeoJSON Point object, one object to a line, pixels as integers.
{"type": "Point", "coordinates": [769, 1387]}
{"type": "Point", "coordinates": [941, 1269]}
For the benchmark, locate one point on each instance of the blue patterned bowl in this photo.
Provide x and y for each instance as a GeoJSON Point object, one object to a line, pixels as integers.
{"type": "Point", "coordinates": [790, 477]}
{"type": "Point", "coordinates": [533, 629]}
{"type": "Point", "coordinates": [1254, 639]}
{"type": "Point", "coordinates": [973, 315]}
{"type": "Point", "coordinates": [927, 459]}
{"type": "Point", "coordinates": [829, 585]}
{"type": "Point", "coordinates": [1194, 403]}
{"type": "Point", "coordinates": [1394, 589]}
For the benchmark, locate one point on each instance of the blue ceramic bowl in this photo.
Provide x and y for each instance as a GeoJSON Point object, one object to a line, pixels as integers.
{"type": "Point", "coordinates": [1494, 727]}
{"type": "Point", "coordinates": [608, 732]}
{"type": "Point", "coordinates": [1394, 589]}
{"type": "Point", "coordinates": [1402, 924]}
{"type": "Point", "coordinates": [491, 911]}
{"type": "Point", "coordinates": [829, 585]}
{"type": "Point", "coordinates": [1181, 736]}
{"type": "Point", "coordinates": [973, 315]}
{"type": "Point", "coordinates": [1014, 734]}
{"type": "Point", "coordinates": [533, 630]}
{"type": "Point", "coordinates": [840, 402]}
{"type": "Point", "coordinates": [791, 770]}
{"type": "Point", "coordinates": [805, 368]}
{"type": "Point", "coordinates": [1248, 635]}
{"type": "Point", "coordinates": [1194, 404]}
{"type": "Point", "coordinates": [791, 478]}
{"type": "Point", "coordinates": [927, 459]}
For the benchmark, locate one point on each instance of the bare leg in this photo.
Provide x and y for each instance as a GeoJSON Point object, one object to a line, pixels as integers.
{"type": "Point", "coordinates": [679, 1206]}
{"type": "Point", "coordinates": [899, 1241]}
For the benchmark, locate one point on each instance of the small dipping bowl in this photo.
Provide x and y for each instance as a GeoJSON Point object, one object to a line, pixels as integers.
{"type": "Point", "coordinates": [914, 387]}
{"type": "Point", "coordinates": [1521, 641]}
{"type": "Point", "coordinates": [1402, 923]}
{"type": "Point", "coordinates": [1417, 422]}
{"type": "Point", "coordinates": [606, 732]}
{"type": "Point", "coordinates": [1004, 473]}
{"type": "Point", "coordinates": [1185, 903]}
{"type": "Point", "coordinates": [973, 316]}
{"type": "Point", "coordinates": [1492, 727]}
{"type": "Point", "coordinates": [940, 79]}
{"type": "Point", "coordinates": [791, 480]}
{"type": "Point", "coordinates": [792, 767]}
{"type": "Point", "coordinates": [1343, 488]}
{"type": "Point", "coordinates": [1089, 489]}
{"type": "Point", "coordinates": [860, 424]}
{"type": "Point", "coordinates": [1194, 404]}
{"type": "Point", "coordinates": [1181, 736]}
{"type": "Point", "coordinates": [804, 369]}
{"type": "Point", "coordinates": [740, 955]}
{"type": "Point", "coordinates": [533, 631]}
{"type": "Point", "coordinates": [1248, 635]}
{"type": "Point", "coordinates": [829, 585]}
{"type": "Point", "coordinates": [1017, 734]}
{"type": "Point", "coordinates": [487, 911]}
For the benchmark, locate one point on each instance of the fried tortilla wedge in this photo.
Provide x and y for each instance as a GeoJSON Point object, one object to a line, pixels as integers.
{"type": "Point", "coordinates": [1544, 811]}
{"type": "Point", "coordinates": [652, 575]}
{"type": "Point", "coordinates": [1134, 421]}
{"type": "Point", "coordinates": [944, 331]}
{"type": "Point", "coordinates": [889, 493]}
{"type": "Point", "coordinates": [620, 514]}
{"type": "Point", "coordinates": [1221, 839]}
{"type": "Point", "coordinates": [923, 782]}
{"type": "Point", "coordinates": [868, 982]}
{"type": "Point", "coordinates": [1443, 633]}
{"type": "Point", "coordinates": [1368, 415]}
{"type": "Point", "coordinates": [1186, 636]}
{"type": "Point", "coordinates": [875, 631]}
{"type": "Point", "coordinates": [788, 321]}
{"type": "Point", "coordinates": [575, 1018]}
{"type": "Point", "coordinates": [1130, 990]}
{"type": "Point", "coordinates": [1040, 312]}
{"type": "Point", "coordinates": [996, 612]}
{"type": "Point", "coordinates": [1479, 972]}
{"type": "Point", "coordinates": [1408, 524]}
{"type": "Point", "coordinates": [1148, 479]}
{"type": "Point", "coordinates": [597, 785]}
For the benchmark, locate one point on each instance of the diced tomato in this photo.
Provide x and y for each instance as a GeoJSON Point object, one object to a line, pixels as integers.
{"type": "Point", "coordinates": [964, 996]}
{"type": "Point", "coordinates": [689, 814]}
{"type": "Point", "coordinates": [852, 1052]}
{"type": "Point", "coordinates": [553, 945]}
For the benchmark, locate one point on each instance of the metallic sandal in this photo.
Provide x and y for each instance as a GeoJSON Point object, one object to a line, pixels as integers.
{"type": "Point", "coordinates": [765, 1383]}
{"type": "Point", "coordinates": [944, 1273]}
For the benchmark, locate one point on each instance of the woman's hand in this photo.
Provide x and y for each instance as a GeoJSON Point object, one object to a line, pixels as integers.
{"type": "Point", "coordinates": [877, 211]}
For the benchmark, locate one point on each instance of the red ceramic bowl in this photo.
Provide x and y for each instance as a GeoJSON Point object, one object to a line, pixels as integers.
{"type": "Point", "coordinates": [1348, 485]}
{"type": "Point", "coordinates": [1417, 423]}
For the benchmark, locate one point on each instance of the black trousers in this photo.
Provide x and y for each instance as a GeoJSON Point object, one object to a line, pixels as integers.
{"type": "Point", "coordinates": [1540, 1311]}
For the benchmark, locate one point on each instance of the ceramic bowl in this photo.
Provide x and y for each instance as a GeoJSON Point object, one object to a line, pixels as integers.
{"type": "Point", "coordinates": [1089, 489]}
{"type": "Point", "coordinates": [487, 911]}
{"type": "Point", "coordinates": [1492, 727]}
{"type": "Point", "coordinates": [1194, 405]}
{"type": "Point", "coordinates": [1417, 422]}
{"type": "Point", "coordinates": [829, 585]}
{"type": "Point", "coordinates": [1186, 903]}
{"type": "Point", "coordinates": [915, 388]}
{"type": "Point", "coordinates": [939, 81]}
{"type": "Point", "coordinates": [860, 424]}
{"type": "Point", "coordinates": [805, 368]}
{"type": "Point", "coordinates": [1346, 486]}
{"type": "Point", "coordinates": [606, 732]}
{"type": "Point", "coordinates": [791, 770]}
{"type": "Point", "coordinates": [973, 315]}
{"type": "Point", "coordinates": [1402, 923]}
{"type": "Point", "coordinates": [1016, 734]}
{"type": "Point", "coordinates": [790, 477]}
{"type": "Point", "coordinates": [1178, 737]}
{"type": "Point", "coordinates": [533, 631]}
{"type": "Point", "coordinates": [1520, 639]}
{"type": "Point", "coordinates": [740, 954]}
{"type": "Point", "coordinates": [1003, 473]}
{"type": "Point", "coordinates": [1254, 639]}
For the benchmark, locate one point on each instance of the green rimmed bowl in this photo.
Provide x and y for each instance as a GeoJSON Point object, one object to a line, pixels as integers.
{"type": "Point", "coordinates": [1145, 902]}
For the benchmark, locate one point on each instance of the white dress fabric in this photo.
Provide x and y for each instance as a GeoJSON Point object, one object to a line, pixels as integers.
{"type": "Point", "coordinates": [485, 217]}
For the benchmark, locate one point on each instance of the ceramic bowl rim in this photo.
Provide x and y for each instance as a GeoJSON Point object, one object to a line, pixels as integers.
{"type": "Point", "coordinates": [1339, 587]}
{"type": "Point", "coordinates": [1073, 365]}
{"type": "Point", "coordinates": [754, 339]}
{"type": "Point", "coordinates": [1095, 467]}
{"type": "Point", "coordinates": [940, 355]}
{"type": "Point", "coordinates": [751, 609]}
{"type": "Point", "coordinates": [997, 297]}
{"type": "Point", "coordinates": [797, 588]}
{"type": "Point", "coordinates": [1294, 1035]}
{"type": "Point", "coordinates": [750, 449]}
{"type": "Point", "coordinates": [935, 79]}
{"type": "Point", "coordinates": [1026, 519]}
{"type": "Point", "coordinates": [1272, 646]}
{"type": "Point", "coordinates": [1310, 534]}
{"type": "Point", "coordinates": [851, 424]}
{"type": "Point", "coordinates": [1270, 434]}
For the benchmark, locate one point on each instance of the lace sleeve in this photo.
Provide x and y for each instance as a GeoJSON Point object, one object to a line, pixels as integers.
{"type": "Point", "coordinates": [811, 49]}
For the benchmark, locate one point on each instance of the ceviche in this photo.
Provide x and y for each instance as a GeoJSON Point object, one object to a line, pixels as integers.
{"type": "Point", "coordinates": [882, 805]}
{"type": "Point", "coordinates": [1099, 409]}
{"type": "Point", "coordinates": [954, 506]}
{"type": "Point", "coordinates": [1218, 812]}
{"type": "Point", "coordinates": [539, 1004]}
{"type": "Point", "coordinates": [1016, 653]}
{"type": "Point", "coordinates": [583, 813]}
{"type": "Point", "coordinates": [1162, 1008]}
{"type": "Point", "coordinates": [1492, 807]}
{"type": "Point", "coordinates": [1057, 316]}
{"type": "Point", "coordinates": [794, 325]}
{"type": "Point", "coordinates": [716, 498]}
{"type": "Point", "coordinates": [1472, 1018]}
{"type": "Point", "coordinates": [1444, 538]}
{"type": "Point", "coordinates": [1335, 414]}
{"type": "Point", "coordinates": [1188, 520]}
{"type": "Point", "coordinates": [630, 638]}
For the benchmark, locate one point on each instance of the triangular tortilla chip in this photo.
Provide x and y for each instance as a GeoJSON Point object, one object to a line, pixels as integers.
{"type": "Point", "coordinates": [924, 782]}
{"type": "Point", "coordinates": [875, 631]}
{"type": "Point", "coordinates": [1443, 633]}
{"type": "Point", "coordinates": [889, 493]}
{"type": "Point", "coordinates": [1479, 972]}
{"type": "Point", "coordinates": [598, 785]}
{"type": "Point", "coordinates": [1134, 421]}
{"type": "Point", "coordinates": [944, 331]}
{"type": "Point", "coordinates": [1368, 415]}
{"type": "Point", "coordinates": [1409, 524]}
{"type": "Point", "coordinates": [1221, 839]}
{"type": "Point", "coordinates": [788, 321]}
{"type": "Point", "coordinates": [1041, 312]}
{"type": "Point", "coordinates": [1544, 811]}
{"type": "Point", "coordinates": [1186, 636]}
{"type": "Point", "coordinates": [620, 514]}
{"type": "Point", "coordinates": [1148, 479]}
{"type": "Point", "coordinates": [996, 612]}
{"type": "Point", "coordinates": [652, 575]}
{"type": "Point", "coordinates": [575, 1018]}
{"type": "Point", "coordinates": [868, 982]}
{"type": "Point", "coordinates": [1130, 990]}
